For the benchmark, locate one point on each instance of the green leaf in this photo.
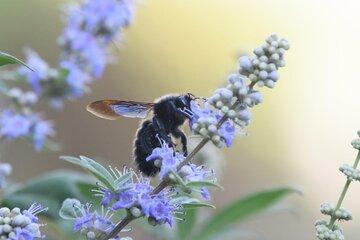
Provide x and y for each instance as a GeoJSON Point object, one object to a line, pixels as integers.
{"type": "Point", "coordinates": [191, 203]}
{"type": "Point", "coordinates": [85, 189]}
{"type": "Point", "coordinates": [4, 88]}
{"type": "Point", "coordinates": [102, 170]}
{"type": "Point", "coordinates": [200, 184]}
{"type": "Point", "coordinates": [180, 199]}
{"type": "Point", "coordinates": [158, 232]}
{"type": "Point", "coordinates": [51, 190]}
{"type": "Point", "coordinates": [6, 59]}
{"type": "Point", "coordinates": [123, 179]}
{"type": "Point", "coordinates": [186, 227]}
{"type": "Point", "coordinates": [24, 201]}
{"type": "Point", "coordinates": [62, 229]}
{"type": "Point", "coordinates": [241, 210]}
{"type": "Point", "coordinates": [235, 234]}
{"type": "Point", "coordinates": [69, 208]}
{"type": "Point", "coordinates": [94, 168]}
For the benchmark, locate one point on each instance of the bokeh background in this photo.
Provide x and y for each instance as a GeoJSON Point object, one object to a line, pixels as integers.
{"type": "Point", "coordinates": [299, 135]}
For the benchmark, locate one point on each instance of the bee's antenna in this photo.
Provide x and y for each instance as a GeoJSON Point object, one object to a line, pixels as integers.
{"type": "Point", "coordinates": [192, 96]}
{"type": "Point", "coordinates": [195, 98]}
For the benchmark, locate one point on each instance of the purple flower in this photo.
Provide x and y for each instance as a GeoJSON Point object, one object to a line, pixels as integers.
{"type": "Point", "coordinates": [227, 132]}
{"type": "Point", "coordinates": [170, 163]}
{"type": "Point", "coordinates": [205, 193]}
{"type": "Point", "coordinates": [169, 159]}
{"type": "Point", "coordinates": [91, 221]}
{"type": "Point", "coordinates": [85, 221]}
{"type": "Point", "coordinates": [14, 125]}
{"type": "Point", "coordinates": [76, 78]}
{"type": "Point", "coordinates": [41, 131]}
{"type": "Point", "coordinates": [91, 27]}
{"type": "Point", "coordinates": [125, 199]}
{"type": "Point", "coordinates": [164, 151]}
{"type": "Point", "coordinates": [107, 196]}
{"type": "Point", "coordinates": [143, 187]}
{"type": "Point", "coordinates": [103, 224]}
{"type": "Point", "coordinates": [105, 16]}
{"type": "Point", "coordinates": [139, 193]}
{"type": "Point", "coordinates": [85, 51]}
{"type": "Point", "coordinates": [22, 234]}
{"type": "Point", "coordinates": [161, 209]}
{"type": "Point", "coordinates": [34, 210]}
{"type": "Point", "coordinates": [40, 73]}
{"type": "Point", "coordinates": [192, 172]}
{"type": "Point", "coordinates": [199, 112]}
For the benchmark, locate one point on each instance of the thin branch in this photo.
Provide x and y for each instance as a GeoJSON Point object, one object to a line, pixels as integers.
{"type": "Point", "coordinates": [343, 193]}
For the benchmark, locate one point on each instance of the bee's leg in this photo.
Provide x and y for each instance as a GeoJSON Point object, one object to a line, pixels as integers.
{"type": "Point", "coordinates": [180, 134]}
{"type": "Point", "coordinates": [160, 129]}
{"type": "Point", "coordinates": [177, 110]}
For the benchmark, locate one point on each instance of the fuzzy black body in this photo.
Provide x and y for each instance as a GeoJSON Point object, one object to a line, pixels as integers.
{"type": "Point", "coordinates": [168, 117]}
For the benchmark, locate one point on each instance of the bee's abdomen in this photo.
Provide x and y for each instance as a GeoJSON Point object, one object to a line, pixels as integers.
{"type": "Point", "coordinates": [144, 144]}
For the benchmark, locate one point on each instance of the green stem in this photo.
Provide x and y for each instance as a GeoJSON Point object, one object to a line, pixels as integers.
{"type": "Point", "coordinates": [343, 193]}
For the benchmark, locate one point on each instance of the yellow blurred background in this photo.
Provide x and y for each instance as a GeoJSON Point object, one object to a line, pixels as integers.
{"type": "Point", "coordinates": [299, 135]}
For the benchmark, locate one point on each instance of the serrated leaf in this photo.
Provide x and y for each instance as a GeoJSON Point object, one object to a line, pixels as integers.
{"type": "Point", "coordinates": [6, 59]}
{"type": "Point", "coordinates": [69, 208]}
{"type": "Point", "coordinates": [200, 184]}
{"type": "Point", "coordinates": [241, 210]}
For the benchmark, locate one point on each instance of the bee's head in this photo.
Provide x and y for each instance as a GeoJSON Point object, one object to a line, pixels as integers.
{"type": "Point", "coordinates": [185, 99]}
{"type": "Point", "coordinates": [191, 97]}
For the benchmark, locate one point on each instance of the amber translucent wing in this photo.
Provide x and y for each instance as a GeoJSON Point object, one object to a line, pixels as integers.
{"type": "Point", "coordinates": [113, 109]}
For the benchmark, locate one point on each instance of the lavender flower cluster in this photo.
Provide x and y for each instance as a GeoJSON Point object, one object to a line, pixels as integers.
{"type": "Point", "coordinates": [89, 223]}
{"type": "Point", "coordinates": [126, 190]}
{"type": "Point", "coordinates": [92, 26]}
{"type": "Point", "coordinates": [182, 182]}
{"type": "Point", "coordinates": [234, 102]}
{"type": "Point", "coordinates": [16, 225]}
{"type": "Point", "coordinates": [134, 194]}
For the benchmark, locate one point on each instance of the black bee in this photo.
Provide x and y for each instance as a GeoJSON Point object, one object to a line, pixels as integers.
{"type": "Point", "coordinates": [169, 113]}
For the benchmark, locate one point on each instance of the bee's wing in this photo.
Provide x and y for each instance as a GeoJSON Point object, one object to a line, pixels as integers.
{"type": "Point", "coordinates": [113, 109]}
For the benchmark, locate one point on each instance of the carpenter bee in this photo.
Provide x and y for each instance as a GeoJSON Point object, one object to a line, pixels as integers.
{"type": "Point", "coordinates": [169, 113]}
